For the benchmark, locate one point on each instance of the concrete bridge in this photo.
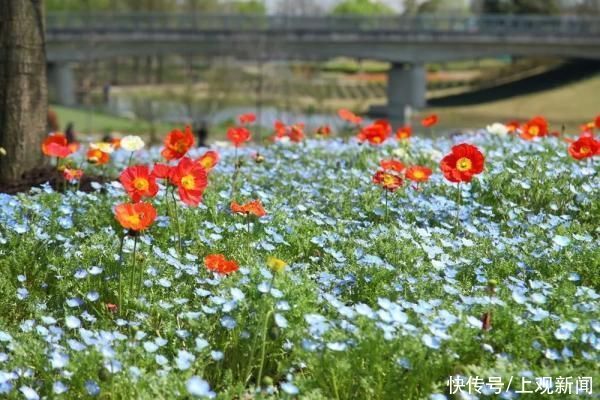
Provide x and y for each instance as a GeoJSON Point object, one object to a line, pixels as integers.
{"type": "Point", "coordinates": [406, 42]}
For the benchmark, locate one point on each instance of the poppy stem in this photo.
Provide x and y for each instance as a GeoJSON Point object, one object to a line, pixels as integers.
{"type": "Point", "coordinates": [176, 217]}
{"type": "Point", "coordinates": [130, 158]}
{"type": "Point", "coordinates": [120, 273]}
{"type": "Point", "coordinates": [458, 204]}
{"type": "Point", "coordinates": [386, 205]}
{"type": "Point", "coordinates": [264, 348]}
{"type": "Point", "coordinates": [132, 275]}
{"type": "Point", "coordinates": [248, 222]}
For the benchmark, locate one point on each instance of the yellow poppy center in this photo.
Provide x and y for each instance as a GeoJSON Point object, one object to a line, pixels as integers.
{"type": "Point", "coordinates": [419, 174]}
{"type": "Point", "coordinates": [133, 219]}
{"type": "Point", "coordinates": [206, 162]}
{"type": "Point", "coordinates": [141, 183]}
{"type": "Point", "coordinates": [464, 164]}
{"type": "Point", "coordinates": [180, 146]}
{"type": "Point", "coordinates": [388, 180]}
{"type": "Point", "coordinates": [585, 150]}
{"type": "Point", "coordinates": [534, 130]}
{"type": "Point", "coordinates": [188, 182]}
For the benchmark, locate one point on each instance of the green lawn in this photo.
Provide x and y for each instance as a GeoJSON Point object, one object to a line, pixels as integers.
{"type": "Point", "coordinates": [99, 123]}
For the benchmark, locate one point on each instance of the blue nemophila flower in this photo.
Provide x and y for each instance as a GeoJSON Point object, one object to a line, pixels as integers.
{"type": "Point", "coordinates": [198, 387]}
{"type": "Point", "coordinates": [29, 393]}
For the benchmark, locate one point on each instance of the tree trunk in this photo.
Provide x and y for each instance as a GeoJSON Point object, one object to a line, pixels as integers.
{"type": "Point", "coordinates": [23, 86]}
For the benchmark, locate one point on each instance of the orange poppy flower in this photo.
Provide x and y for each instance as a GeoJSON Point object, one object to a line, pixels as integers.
{"type": "Point", "coordinates": [512, 126]}
{"type": "Point", "coordinates": [536, 127]}
{"type": "Point", "coordinates": [208, 160]}
{"type": "Point", "coordinates": [191, 180]}
{"type": "Point", "coordinates": [387, 180]}
{"type": "Point", "coordinates": [72, 174]}
{"type": "Point", "coordinates": [138, 182]}
{"type": "Point", "coordinates": [403, 132]}
{"type": "Point", "coordinates": [162, 171]}
{"type": "Point", "coordinates": [247, 118]}
{"type": "Point", "coordinates": [97, 156]}
{"type": "Point", "coordinates": [219, 264]}
{"type": "Point", "coordinates": [253, 207]}
{"type": "Point", "coordinates": [463, 162]}
{"type": "Point", "coordinates": [375, 134]}
{"type": "Point", "coordinates": [584, 147]}
{"type": "Point", "coordinates": [296, 133]}
{"type": "Point", "coordinates": [116, 143]}
{"type": "Point", "coordinates": [392, 165]}
{"type": "Point", "coordinates": [429, 120]}
{"type": "Point", "coordinates": [323, 131]}
{"type": "Point", "coordinates": [178, 143]}
{"type": "Point", "coordinates": [56, 145]}
{"type": "Point", "coordinates": [349, 116]}
{"type": "Point", "coordinates": [418, 174]}
{"type": "Point", "coordinates": [136, 216]}
{"type": "Point", "coordinates": [238, 135]}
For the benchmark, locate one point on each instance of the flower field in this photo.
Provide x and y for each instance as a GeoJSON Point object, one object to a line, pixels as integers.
{"type": "Point", "coordinates": [375, 267]}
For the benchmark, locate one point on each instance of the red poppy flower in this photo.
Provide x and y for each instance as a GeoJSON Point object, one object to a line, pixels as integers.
{"type": "Point", "coordinates": [72, 174]}
{"type": "Point", "coordinates": [247, 118]}
{"type": "Point", "coordinates": [536, 127]}
{"type": "Point", "coordinates": [375, 134]}
{"type": "Point", "coordinates": [429, 120]}
{"type": "Point", "coordinates": [238, 135]}
{"type": "Point", "coordinates": [56, 145]}
{"type": "Point", "coordinates": [162, 171]}
{"type": "Point", "coordinates": [296, 133]}
{"type": "Point", "coordinates": [191, 180]}
{"type": "Point", "coordinates": [178, 143]}
{"type": "Point", "coordinates": [208, 160]}
{"type": "Point", "coordinates": [138, 182]}
{"type": "Point", "coordinates": [418, 174]}
{"type": "Point", "coordinates": [253, 207]}
{"type": "Point", "coordinates": [136, 216]}
{"type": "Point", "coordinates": [219, 264]}
{"type": "Point", "coordinates": [597, 121]}
{"type": "Point", "coordinates": [323, 131]}
{"type": "Point", "coordinates": [97, 156]}
{"type": "Point", "coordinates": [392, 165]}
{"type": "Point", "coordinates": [403, 132]}
{"type": "Point", "coordinates": [513, 126]}
{"type": "Point", "coordinates": [584, 147]}
{"type": "Point", "coordinates": [349, 116]}
{"type": "Point", "coordinates": [463, 162]}
{"type": "Point", "coordinates": [387, 180]}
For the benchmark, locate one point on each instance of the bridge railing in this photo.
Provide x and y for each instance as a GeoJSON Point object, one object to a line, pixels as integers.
{"type": "Point", "coordinates": [106, 23]}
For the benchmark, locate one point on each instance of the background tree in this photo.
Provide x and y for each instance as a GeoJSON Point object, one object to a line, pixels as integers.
{"type": "Point", "coordinates": [23, 86]}
{"type": "Point", "coordinates": [362, 7]}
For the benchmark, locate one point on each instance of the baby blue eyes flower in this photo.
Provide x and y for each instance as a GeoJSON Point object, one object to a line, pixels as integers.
{"type": "Point", "coordinates": [72, 322]}
{"type": "Point", "coordinates": [198, 387]}
{"type": "Point", "coordinates": [289, 388]}
{"type": "Point", "coordinates": [29, 393]}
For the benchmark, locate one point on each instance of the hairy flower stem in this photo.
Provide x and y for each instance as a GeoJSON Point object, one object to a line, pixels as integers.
{"type": "Point", "coordinates": [458, 204]}
{"type": "Point", "coordinates": [264, 347]}
{"type": "Point", "coordinates": [176, 217]}
{"type": "Point", "coordinates": [132, 275]}
{"type": "Point", "coordinates": [386, 206]}
{"type": "Point", "coordinates": [120, 273]}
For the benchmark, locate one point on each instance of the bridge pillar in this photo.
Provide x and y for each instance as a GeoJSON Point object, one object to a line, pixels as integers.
{"type": "Point", "coordinates": [61, 81]}
{"type": "Point", "coordinates": [407, 84]}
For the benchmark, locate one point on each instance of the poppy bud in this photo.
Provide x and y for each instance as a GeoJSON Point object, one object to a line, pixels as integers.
{"type": "Point", "coordinates": [2, 151]}
{"type": "Point", "coordinates": [259, 159]}
{"type": "Point", "coordinates": [267, 381]}
{"type": "Point", "coordinates": [486, 321]}
{"type": "Point", "coordinates": [103, 375]}
{"type": "Point", "coordinates": [274, 332]}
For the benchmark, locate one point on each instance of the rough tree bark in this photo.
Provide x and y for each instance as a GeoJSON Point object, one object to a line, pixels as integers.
{"type": "Point", "coordinates": [23, 86]}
